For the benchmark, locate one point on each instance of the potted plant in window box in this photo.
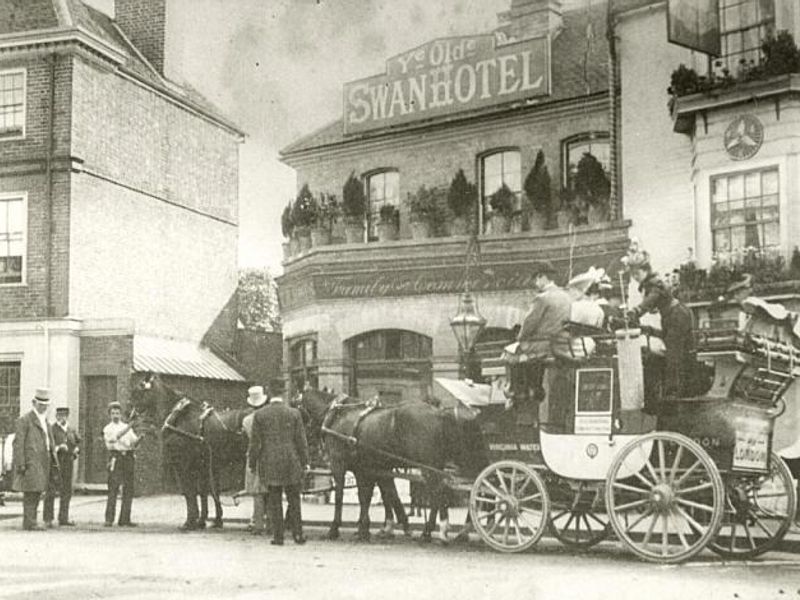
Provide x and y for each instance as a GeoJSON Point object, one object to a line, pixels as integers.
{"type": "Point", "coordinates": [502, 204]}
{"type": "Point", "coordinates": [388, 223]}
{"type": "Point", "coordinates": [462, 197]}
{"type": "Point", "coordinates": [287, 228]}
{"type": "Point", "coordinates": [325, 207]}
{"type": "Point", "coordinates": [593, 187]}
{"type": "Point", "coordinates": [303, 217]}
{"type": "Point", "coordinates": [354, 209]}
{"type": "Point", "coordinates": [422, 212]}
{"type": "Point", "coordinates": [334, 208]}
{"type": "Point", "coordinates": [539, 194]}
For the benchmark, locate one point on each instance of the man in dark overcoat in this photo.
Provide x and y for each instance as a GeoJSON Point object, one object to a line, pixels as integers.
{"type": "Point", "coordinates": [279, 451]}
{"type": "Point", "coordinates": [34, 460]}
{"type": "Point", "coordinates": [67, 442]}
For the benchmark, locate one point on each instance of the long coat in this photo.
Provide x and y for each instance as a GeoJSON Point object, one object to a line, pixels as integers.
{"type": "Point", "coordinates": [544, 323]}
{"type": "Point", "coordinates": [278, 447]}
{"type": "Point", "coordinates": [30, 453]}
{"type": "Point", "coordinates": [252, 482]}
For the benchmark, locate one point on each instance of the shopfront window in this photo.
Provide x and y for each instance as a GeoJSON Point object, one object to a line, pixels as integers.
{"type": "Point", "coordinates": [383, 188]}
{"type": "Point", "coordinates": [498, 168]}
{"type": "Point", "coordinates": [745, 211]}
{"type": "Point", "coordinates": [9, 395]}
{"type": "Point", "coordinates": [303, 363]}
{"type": "Point", "coordinates": [573, 148]}
{"type": "Point", "coordinates": [744, 24]}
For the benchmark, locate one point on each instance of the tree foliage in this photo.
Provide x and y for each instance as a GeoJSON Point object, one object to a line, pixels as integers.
{"type": "Point", "coordinates": [257, 296]}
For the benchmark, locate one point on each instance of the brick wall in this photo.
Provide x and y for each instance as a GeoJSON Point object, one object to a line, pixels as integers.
{"type": "Point", "coordinates": [23, 170]}
{"type": "Point", "coordinates": [260, 355]}
{"type": "Point", "coordinates": [144, 22]}
{"type": "Point", "coordinates": [135, 137]}
{"type": "Point", "coordinates": [153, 218]}
{"type": "Point", "coordinates": [432, 159]}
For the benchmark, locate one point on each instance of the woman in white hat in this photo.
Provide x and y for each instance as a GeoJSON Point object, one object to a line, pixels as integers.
{"type": "Point", "coordinates": [256, 398]}
{"type": "Point", "coordinates": [585, 310]}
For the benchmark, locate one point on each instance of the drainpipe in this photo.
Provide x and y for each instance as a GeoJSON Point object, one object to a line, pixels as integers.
{"type": "Point", "coordinates": [613, 117]}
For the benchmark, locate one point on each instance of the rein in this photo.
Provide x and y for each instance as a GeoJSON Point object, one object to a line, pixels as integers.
{"type": "Point", "coordinates": [208, 411]}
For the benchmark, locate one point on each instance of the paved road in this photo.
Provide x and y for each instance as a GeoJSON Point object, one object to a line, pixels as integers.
{"type": "Point", "coordinates": [155, 562]}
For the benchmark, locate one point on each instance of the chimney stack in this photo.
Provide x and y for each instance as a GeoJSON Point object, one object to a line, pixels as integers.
{"type": "Point", "coordinates": [531, 18]}
{"type": "Point", "coordinates": [145, 24]}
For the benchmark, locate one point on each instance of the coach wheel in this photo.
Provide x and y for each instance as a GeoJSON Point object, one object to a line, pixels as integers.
{"type": "Point", "coordinates": [577, 516]}
{"type": "Point", "coordinates": [509, 506]}
{"type": "Point", "coordinates": [664, 497]}
{"type": "Point", "coordinates": [758, 511]}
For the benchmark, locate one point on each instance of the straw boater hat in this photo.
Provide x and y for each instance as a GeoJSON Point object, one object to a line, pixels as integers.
{"type": "Point", "coordinates": [256, 396]}
{"type": "Point", "coordinates": [42, 395]}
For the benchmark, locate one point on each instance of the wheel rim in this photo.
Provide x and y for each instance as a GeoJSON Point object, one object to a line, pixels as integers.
{"type": "Point", "coordinates": [577, 517]}
{"type": "Point", "coordinates": [758, 512]}
{"type": "Point", "coordinates": [509, 506]}
{"type": "Point", "coordinates": [670, 508]}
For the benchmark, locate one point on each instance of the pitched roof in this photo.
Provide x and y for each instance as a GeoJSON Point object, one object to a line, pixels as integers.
{"type": "Point", "coordinates": [579, 66]}
{"type": "Point", "coordinates": [173, 357]}
{"type": "Point", "coordinates": [68, 15]}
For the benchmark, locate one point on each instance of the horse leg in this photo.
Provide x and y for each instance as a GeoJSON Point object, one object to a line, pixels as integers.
{"type": "Point", "coordinates": [201, 521]}
{"type": "Point", "coordinates": [215, 483]}
{"type": "Point", "coordinates": [392, 499]}
{"type": "Point", "coordinates": [444, 520]}
{"type": "Point", "coordinates": [338, 485]}
{"type": "Point", "coordinates": [366, 485]}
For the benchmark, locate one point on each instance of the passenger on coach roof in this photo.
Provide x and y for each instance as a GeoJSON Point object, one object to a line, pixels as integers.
{"type": "Point", "coordinates": [677, 323]}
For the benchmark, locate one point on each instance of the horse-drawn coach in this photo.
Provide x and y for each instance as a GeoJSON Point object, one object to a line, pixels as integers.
{"type": "Point", "coordinates": [607, 454]}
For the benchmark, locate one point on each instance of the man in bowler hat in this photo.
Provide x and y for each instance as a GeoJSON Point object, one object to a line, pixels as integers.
{"type": "Point", "coordinates": [279, 451]}
{"type": "Point", "coordinates": [67, 442]}
{"type": "Point", "coordinates": [35, 461]}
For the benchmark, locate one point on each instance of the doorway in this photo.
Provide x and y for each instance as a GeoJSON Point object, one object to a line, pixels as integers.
{"type": "Point", "coordinates": [100, 391]}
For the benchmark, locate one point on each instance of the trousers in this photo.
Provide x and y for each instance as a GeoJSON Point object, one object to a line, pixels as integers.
{"type": "Point", "coordinates": [294, 518]}
{"type": "Point", "coordinates": [120, 473]}
{"type": "Point", "coordinates": [30, 508]}
{"type": "Point", "coordinates": [62, 486]}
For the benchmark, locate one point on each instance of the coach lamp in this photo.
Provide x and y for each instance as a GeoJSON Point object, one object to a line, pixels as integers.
{"type": "Point", "coordinates": [467, 323]}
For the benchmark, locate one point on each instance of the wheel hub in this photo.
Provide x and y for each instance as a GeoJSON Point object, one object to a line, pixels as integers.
{"type": "Point", "coordinates": [509, 507]}
{"type": "Point", "coordinates": [662, 496]}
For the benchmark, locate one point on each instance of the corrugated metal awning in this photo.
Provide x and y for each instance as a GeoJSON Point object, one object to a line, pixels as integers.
{"type": "Point", "coordinates": [174, 357]}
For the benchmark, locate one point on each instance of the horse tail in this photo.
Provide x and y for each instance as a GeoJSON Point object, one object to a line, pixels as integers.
{"type": "Point", "coordinates": [212, 481]}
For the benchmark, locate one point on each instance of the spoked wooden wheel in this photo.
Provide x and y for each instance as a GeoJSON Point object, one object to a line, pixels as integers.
{"type": "Point", "coordinates": [577, 515]}
{"type": "Point", "coordinates": [758, 512]}
{"type": "Point", "coordinates": [509, 506]}
{"type": "Point", "coordinates": [664, 497]}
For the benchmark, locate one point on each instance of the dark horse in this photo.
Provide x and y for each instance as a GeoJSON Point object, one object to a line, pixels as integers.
{"type": "Point", "coordinates": [196, 441]}
{"type": "Point", "coordinates": [413, 434]}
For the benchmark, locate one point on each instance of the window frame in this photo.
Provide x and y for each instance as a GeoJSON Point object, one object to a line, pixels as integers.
{"type": "Point", "coordinates": [779, 247]}
{"type": "Point", "coordinates": [23, 197]}
{"type": "Point", "coordinates": [24, 72]}
{"type": "Point", "coordinates": [481, 179]}
{"type": "Point", "coordinates": [12, 360]}
{"type": "Point", "coordinates": [308, 367]}
{"type": "Point", "coordinates": [366, 177]}
{"type": "Point", "coordinates": [762, 26]}
{"type": "Point", "coordinates": [596, 135]}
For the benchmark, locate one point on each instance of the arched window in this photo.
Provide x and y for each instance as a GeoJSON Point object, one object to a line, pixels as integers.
{"type": "Point", "coordinates": [573, 148]}
{"type": "Point", "coordinates": [383, 187]}
{"type": "Point", "coordinates": [497, 168]}
{"type": "Point", "coordinates": [303, 363]}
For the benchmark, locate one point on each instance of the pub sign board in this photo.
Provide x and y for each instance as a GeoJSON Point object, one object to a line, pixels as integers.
{"type": "Point", "coordinates": [447, 76]}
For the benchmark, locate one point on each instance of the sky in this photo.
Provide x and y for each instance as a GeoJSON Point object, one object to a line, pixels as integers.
{"type": "Point", "coordinates": [276, 68]}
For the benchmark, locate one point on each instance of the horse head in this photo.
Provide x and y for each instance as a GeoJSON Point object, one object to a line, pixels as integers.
{"type": "Point", "coordinates": [315, 404]}
{"type": "Point", "coordinates": [464, 441]}
{"type": "Point", "coordinates": [151, 398]}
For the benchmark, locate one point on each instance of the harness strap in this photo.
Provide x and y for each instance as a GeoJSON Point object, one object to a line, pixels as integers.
{"type": "Point", "coordinates": [191, 436]}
